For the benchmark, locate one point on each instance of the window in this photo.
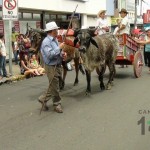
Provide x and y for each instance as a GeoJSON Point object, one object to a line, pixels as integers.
{"type": "Point", "coordinates": [62, 17]}
{"type": "Point", "coordinates": [53, 17]}
{"type": "Point", "coordinates": [27, 15]}
{"type": "Point", "coordinates": [36, 16]}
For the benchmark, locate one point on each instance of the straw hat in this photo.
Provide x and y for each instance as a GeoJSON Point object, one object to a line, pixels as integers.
{"type": "Point", "coordinates": [123, 10]}
{"type": "Point", "coordinates": [100, 12]}
{"type": "Point", "coordinates": [51, 26]}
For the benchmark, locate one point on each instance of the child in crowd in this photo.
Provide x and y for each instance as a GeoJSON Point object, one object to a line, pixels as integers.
{"type": "Point", "coordinates": [35, 65]}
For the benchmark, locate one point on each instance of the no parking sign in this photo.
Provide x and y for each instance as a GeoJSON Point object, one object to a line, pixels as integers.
{"type": "Point", "coordinates": [10, 10]}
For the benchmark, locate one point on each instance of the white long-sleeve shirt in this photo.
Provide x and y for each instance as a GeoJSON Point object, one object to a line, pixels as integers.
{"type": "Point", "coordinates": [2, 48]}
{"type": "Point", "coordinates": [101, 23]}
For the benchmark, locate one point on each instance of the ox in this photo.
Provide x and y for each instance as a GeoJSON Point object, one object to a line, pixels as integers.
{"type": "Point", "coordinates": [97, 52]}
{"type": "Point", "coordinates": [37, 37]}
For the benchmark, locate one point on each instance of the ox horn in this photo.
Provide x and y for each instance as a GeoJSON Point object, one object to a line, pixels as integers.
{"type": "Point", "coordinates": [92, 30]}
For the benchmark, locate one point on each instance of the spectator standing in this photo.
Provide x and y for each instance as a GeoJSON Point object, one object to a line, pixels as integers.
{"type": "Point", "coordinates": [52, 56]}
{"type": "Point", "coordinates": [16, 50]}
{"type": "Point", "coordinates": [2, 58]}
{"type": "Point", "coordinates": [146, 42]}
{"type": "Point", "coordinates": [13, 36]}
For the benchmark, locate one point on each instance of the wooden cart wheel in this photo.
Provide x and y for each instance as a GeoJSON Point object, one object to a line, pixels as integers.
{"type": "Point", "coordinates": [137, 64]}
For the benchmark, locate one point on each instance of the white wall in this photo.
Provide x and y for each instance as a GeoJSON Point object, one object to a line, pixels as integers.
{"type": "Point", "coordinates": [89, 7]}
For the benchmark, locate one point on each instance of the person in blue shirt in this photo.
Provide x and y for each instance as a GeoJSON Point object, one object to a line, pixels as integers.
{"type": "Point", "coordinates": [53, 54]}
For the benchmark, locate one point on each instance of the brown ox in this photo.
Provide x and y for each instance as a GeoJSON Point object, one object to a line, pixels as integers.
{"type": "Point", "coordinates": [37, 37]}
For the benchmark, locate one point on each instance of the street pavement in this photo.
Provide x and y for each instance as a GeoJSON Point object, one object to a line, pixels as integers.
{"type": "Point", "coordinates": [104, 120]}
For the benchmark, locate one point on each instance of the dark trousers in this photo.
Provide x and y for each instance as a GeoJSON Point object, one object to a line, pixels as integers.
{"type": "Point", "coordinates": [3, 66]}
{"type": "Point", "coordinates": [145, 56]}
{"type": "Point", "coordinates": [148, 58]}
{"type": "Point", "coordinates": [16, 56]}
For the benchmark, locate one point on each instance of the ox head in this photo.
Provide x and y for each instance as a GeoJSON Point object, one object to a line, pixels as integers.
{"type": "Point", "coordinates": [85, 38]}
{"type": "Point", "coordinates": [37, 37]}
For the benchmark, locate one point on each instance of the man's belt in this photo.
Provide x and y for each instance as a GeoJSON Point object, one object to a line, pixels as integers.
{"type": "Point", "coordinates": [57, 65]}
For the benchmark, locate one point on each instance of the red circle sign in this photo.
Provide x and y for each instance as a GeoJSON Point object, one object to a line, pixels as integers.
{"type": "Point", "coordinates": [10, 4]}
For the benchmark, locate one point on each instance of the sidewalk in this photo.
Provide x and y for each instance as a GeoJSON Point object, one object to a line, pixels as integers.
{"type": "Point", "coordinates": [15, 74]}
{"type": "Point", "coordinates": [15, 69]}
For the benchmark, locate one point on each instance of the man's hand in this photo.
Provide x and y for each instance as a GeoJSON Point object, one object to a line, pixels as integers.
{"type": "Point", "coordinates": [63, 55]}
{"type": "Point", "coordinates": [105, 28]}
{"type": "Point", "coordinates": [61, 45]}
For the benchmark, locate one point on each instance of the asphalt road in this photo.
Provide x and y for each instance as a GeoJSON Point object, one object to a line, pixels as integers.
{"type": "Point", "coordinates": [105, 120]}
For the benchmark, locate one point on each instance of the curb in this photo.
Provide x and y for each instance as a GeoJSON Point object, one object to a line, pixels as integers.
{"type": "Point", "coordinates": [12, 79]}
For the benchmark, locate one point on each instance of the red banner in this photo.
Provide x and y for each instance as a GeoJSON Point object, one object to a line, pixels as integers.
{"type": "Point", "coordinates": [1, 27]}
{"type": "Point", "coordinates": [146, 18]}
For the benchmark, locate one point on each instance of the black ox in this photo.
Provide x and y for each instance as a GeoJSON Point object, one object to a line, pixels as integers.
{"type": "Point", "coordinates": [97, 51]}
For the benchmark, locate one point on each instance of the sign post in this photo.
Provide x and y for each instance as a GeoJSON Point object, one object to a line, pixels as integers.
{"type": "Point", "coordinates": [10, 12]}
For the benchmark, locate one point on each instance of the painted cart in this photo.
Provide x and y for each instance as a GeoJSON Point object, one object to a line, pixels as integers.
{"type": "Point", "coordinates": [129, 54]}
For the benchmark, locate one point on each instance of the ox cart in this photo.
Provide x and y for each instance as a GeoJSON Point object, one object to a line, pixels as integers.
{"type": "Point", "coordinates": [129, 54]}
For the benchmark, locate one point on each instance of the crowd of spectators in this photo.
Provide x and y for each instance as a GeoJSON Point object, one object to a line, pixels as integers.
{"type": "Point", "coordinates": [26, 59]}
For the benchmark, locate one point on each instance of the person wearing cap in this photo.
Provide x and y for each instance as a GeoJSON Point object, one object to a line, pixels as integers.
{"type": "Point", "coordinates": [124, 25]}
{"type": "Point", "coordinates": [53, 55]}
{"type": "Point", "coordinates": [102, 22]}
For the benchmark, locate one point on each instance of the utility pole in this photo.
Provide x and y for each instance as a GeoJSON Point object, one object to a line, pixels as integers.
{"type": "Point", "coordinates": [135, 16]}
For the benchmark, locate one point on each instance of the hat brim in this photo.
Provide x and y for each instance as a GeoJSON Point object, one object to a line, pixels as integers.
{"type": "Point", "coordinates": [123, 12]}
{"type": "Point", "coordinates": [103, 11]}
{"type": "Point", "coordinates": [51, 29]}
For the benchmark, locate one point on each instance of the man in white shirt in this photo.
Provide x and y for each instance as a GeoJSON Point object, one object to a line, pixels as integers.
{"type": "Point", "coordinates": [2, 58]}
{"type": "Point", "coordinates": [102, 23]}
{"type": "Point", "coordinates": [125, 25]}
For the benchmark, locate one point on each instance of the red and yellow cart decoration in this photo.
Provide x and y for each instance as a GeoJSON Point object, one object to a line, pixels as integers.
{"type": "Point", "coordinates": [129, 54]}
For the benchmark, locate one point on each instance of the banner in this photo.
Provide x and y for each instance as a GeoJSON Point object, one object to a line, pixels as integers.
{"type": "Point", "coordinates": [1, 27]}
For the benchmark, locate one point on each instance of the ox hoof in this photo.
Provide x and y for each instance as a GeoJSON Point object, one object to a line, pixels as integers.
{"type": "Point", "coordinates": [88, 93]}
{"type": "Point", "coordinates": [108, 86]}
{"type": "Point", "coordinates": [112, 83]}
{"type": "Point", "coordinates": [76, 82]}
{"type": "Point", "coordinates": [102, 87]}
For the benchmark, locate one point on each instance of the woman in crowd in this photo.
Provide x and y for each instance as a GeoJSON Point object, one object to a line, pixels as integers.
{"type": "Point", "coordinates": [25, 67]}
{"type": "Point", "coordinates": [24, 44]}
{"type": "Point", "coordinates": [146, 42]}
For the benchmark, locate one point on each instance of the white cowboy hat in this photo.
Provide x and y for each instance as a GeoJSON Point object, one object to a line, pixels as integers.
{"type": "Point", "coordinates": [100, 12]}
{"type": "Point", "coordinates": [51, 26]}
